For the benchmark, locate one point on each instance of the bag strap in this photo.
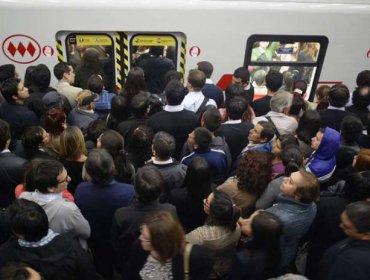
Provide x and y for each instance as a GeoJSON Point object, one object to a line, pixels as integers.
{"type": "Point", "coordinates": [204, 102]}
{"type": "Point", "coordinates": [275, 128]}
{"type": "Point", "coordinates": [187, 251]}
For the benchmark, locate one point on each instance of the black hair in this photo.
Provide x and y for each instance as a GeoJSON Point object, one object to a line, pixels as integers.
{"type": "Point", "coordinates": [32, 139]}
{"type": "Point", "coordinates": [338, 95]}
{"type": "Point", "coordinates": [236, 107]}
{"type": "Point", "coordinates": [95, 129]}
{"type": "Point", "coordinates": [156, 50]}
{"type": "Point", "coordinates": [243, 74]}
{"type": "Point", "coordinates": [292, 158]}
{"type": "Point", "coordinates": [206, 67]}
{"type": "Point", "coordinates": [268, 131]}
{"type": "Point", "coordinates": [134, 83]}
{"type": "Point", "coordinates": [300, 84]}
{"type": "Point", "coordinates": [274, 80]}
{"type": "Point", "coordinates": [95, 83]}
{"type": "Point", "coordinates": [29, 220]}
{"type": "Point", "coordinates": [203, 138]}
{"type": "Point", "coordinates": [351, 129]}
{"type": "Point", "coordinates": [223, 211]}
{"type": "Point", "coordinates": [361, 97]}
{"type": "Point", "coordinates": [363, 78]}
{"type": "Point", "coordinates": [308, 125]}
{"type": "Point", "coordinates": [288, 139]}
{"type": "Point", "coordinates": [156, 104]}
{"type": "Point", "coordinates": [4, 133]}
{"type": "Point", "coordinates": [7, 71]}
{"type": "Point", "coordinates": [197, 79]}
{"type": "Point", "coordinates": [211, 119]}
{"type": "Point", "coordinates": [9, 88]}
{"type": "Point", "coordinates": [233, 90]}
{"type": "Point", "coordinates": [164, 145]}
{"type": "Point", "coordinates": [41, 76]}
{"type": "Point", "coordinates": [28, 78]}
{"type": "Point", "coordinates": [171, 75]}
{"type": "Point", "coordinates": [100, 167]}
{"type": "Point", "coordinates": [198, 178]}
{"type": "Point", "coordinates": [149, 184]}
{"type": "Point", "coordinates": [357, 185]}
{"type": "Point", "coordinates": [120, 111]}
{"type": "Point", "coordinates": [298, 105]}
{"type": "Point", "coordinates": [359, 214]}
{"type": "Point", "coordinates": [60, 69]}
{"type": "Point", "coordinates": [140, 104]}
{"type": "Point", "coordinates": [175, 92]}
{"type": "Point", "coordinates": [140, 145]}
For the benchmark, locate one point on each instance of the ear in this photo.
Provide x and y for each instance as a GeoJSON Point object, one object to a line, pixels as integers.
{"type": "Point", "coordinates": [52, 189]}
{"type": "Point", "coordinates": [15, 97]}
{"type": "Point", "coordinates": [263, 140]}
{"type": "Point", "coordinates": [286, 111]}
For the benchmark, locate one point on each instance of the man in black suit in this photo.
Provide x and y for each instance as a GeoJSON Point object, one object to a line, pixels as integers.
{"type": "Point", "coordinates": [335, 113]}
{"type": "Point", "coordinates": [11, 167]}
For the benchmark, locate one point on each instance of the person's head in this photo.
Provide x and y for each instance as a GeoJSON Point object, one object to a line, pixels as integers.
{"type": "Point", "coordinates": [95, 129]}
{"type": "Point", "coordinates": [64, 72]}
{"type": "Point", "coordinates": [288, 79]}
{"type": "Point", "coordinates": [140, 104]}
{"type": "Point", "coordinates": [322, 93]}
{"type": "Point", "coordinates": [99, 167]}
{"type": "Point", "coordinates": [262, 133]}
{"type": "Point", "coordinates": [164, 145]}
{"type": "Point", "coordinates": [233, 90]}
{"type": "Point", "coordinates": [357, 186]}
{"type": "Point", "coordinates": [28, 78]}
{"type": "Point", "coordinates": [259, 77]}
{"type": "Point", "coordinates": [85, 99]}
{"type": "Point", "coordinates": [363, 78]}
{"type": "Point", "coordinates": [206, 67]}
{"type": "Point", "coordinates": [155, 103]}
{"type": "Point", "coordinates": [163, 234]}
{"type": "Point", "coordinates": [211, 119]}
{"type": "Point", "coordinates": [156, 50]}
{"type": "Point", "coordinates": [198, 178]}
{"type": "Point", "coordinates": [28, 220]}
{"type": "Point", "coordinates": [350, 129]}
{"type": "Point", "coordinates": [302, 186]}
{"type": "Point", "coordinates": [7, 71]}
{"type": "Point", "coordinates": [281, 102]}
{"type": "Point", "coordinates": [338, 96]}
{"type": "Point", "coordinates": [274, 80]}
{"type": "Point", "coordinates": [120, 111]}
{"type": "Point", "coordinates": [292, 158]}
{"type": "Point", "coordinates": [112, 141]}
{"type": "Point", "coordinates": [196, 80]}
{"type": "Point", "coordinates": [135, 82]}
{"type": "Point", "coordinates": [236, 107]}
{"type": "Point", "coordinates": [300, 87]}
{"type": "Point", "coordinates": [90, 60]}
{"type": "Point", "coordinates": [95, 83]}
{"type": "Point", "coordinates": [175, 92]}
{"type": "Point", "coordinates": [33, 138]}
{"type": "Point", "coordinates": [72, 143]}
{"type": "Point", "coordinates": [140, 144]}
{"type": "Point", "coordinates": [18, 271]}
{"type": "Point", "coordinates": [47, 176]}
{"type": "Point", "coordinates": [361, 97]}
{"type": "Point", "coordinates": [308, 125]}
{"type": "Point", "coordinates": [149, 184]}
{"type": "Point", "coordinates": [200, 139]}
{"type": "Point", "coordinates": [241, 76]}
{"type": "Point", "coordinates": [4, 135]}
{"type": "Point", "coordinates": [283, 141]}
{"type": "Point", "coordinates": [41, 76]}
{"type": "Point", "coordinates": [171, 75]}
{"type": "Point", "coordinates": [54, 121]}
{"type": "Point", "coordinates": [362, 160]}
{"type": "Point", "coordinates": [298, 106]}
{"type": "Point", "coordinates": [14, 91]}
{"type": "Point", "coordinates": [355, 220]}
{"type": "Point", "coordinates": [254, 172]}
{"type": "Point", "coordinates": [221, 210]}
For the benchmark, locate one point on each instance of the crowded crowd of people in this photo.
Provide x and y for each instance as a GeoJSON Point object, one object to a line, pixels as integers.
{"type": "Point", "coordinates": [189, 182]}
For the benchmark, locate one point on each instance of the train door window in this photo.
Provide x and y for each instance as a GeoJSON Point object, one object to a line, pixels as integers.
{"type": "Point", "coordinates": [296, 57]}
{"type": "Point", "coordinates": [96, 45]}
{"type": "Point", "coordinates": [156, 54]}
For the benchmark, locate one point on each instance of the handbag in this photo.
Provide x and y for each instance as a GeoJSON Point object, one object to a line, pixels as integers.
{"type": "Point", "coordinates": [187, 252]}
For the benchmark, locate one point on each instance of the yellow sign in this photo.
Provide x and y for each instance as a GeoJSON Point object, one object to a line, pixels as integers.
{"type": "Point", "coordinates": [93, 40]}
{"type": "Point", "coordinates": [153, 40]}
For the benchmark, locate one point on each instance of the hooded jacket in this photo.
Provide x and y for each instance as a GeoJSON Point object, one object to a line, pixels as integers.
{"type": "Point", "coordinates": [322, 162]}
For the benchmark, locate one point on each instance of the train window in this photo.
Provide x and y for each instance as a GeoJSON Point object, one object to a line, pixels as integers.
{"type": "Point", "coordinates": [296, 57]}
{"type": "Point", "coordinates": [78, 43]}
{"type": "Point", "coordinates": [155, 54]}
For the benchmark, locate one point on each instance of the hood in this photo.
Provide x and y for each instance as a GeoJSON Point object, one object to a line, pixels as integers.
{"type": "Point", "coordinates": [329, 144]}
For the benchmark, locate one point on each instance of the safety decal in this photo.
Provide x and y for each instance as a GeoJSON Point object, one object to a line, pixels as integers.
{"type": "Point", "coordinates": [182, 57]}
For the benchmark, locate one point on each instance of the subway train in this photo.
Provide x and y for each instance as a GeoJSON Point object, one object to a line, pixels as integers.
{"type": "Point", "coordinates": [323, 42]}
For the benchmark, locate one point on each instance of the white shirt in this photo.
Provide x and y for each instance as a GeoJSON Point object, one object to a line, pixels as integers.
{"type": "Point", "coordinates": [283, 123]}
{"type": "Point", "coordinates": [194, 99]}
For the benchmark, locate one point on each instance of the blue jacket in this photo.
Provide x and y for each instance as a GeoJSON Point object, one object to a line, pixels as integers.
{"type": "Point", "coordinates": [322, 162]}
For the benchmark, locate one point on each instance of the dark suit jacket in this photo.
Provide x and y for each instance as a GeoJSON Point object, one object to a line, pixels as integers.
{"type": "Point", "coordinates": [333, 118]}
{"type": "Point", "coordinates": [213, 92]}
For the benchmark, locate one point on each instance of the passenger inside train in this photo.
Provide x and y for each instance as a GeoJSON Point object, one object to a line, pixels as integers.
{"type": "Point", "coordinates": [172, 179]}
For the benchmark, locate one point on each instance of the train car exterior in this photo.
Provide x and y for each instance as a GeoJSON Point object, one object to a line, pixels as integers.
{"type": "Point", "coordinates": [222, 32]}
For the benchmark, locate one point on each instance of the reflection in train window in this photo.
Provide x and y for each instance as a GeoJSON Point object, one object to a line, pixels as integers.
{"type": "Point", "coordinates": [102, 44]}
{"type": "Point", "coordinates": [156, 54]}
{"type": "Point", "coordinates": [298, 57]}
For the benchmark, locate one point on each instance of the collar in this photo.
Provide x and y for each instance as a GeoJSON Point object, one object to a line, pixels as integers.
{"type": "Point", "coordinates": [336, 108]}
{"type": "Point", "coordinates": [46, 197]}
{"type": "Point", "coordinates": [275, 114]}
{"type": "Point", "coordinates": [63, 83]}
{"type": "Point", "coordinates": [42, 242]}
{"type": "Point", "coordinates": [176, 108]}
{"type": "Point", "coordinates": [5, 151]}
{"type": "Point", "coordinates": [209, 81]}
{"type": "Point", "coordinates": [86, 111]}
{"type": "Point", "coordinates": [233, 121]}
{"type": "Point", "coordinates": [195, 93]}
{"type": "Point", "coordinates": [247, 87]}
{"type": "Point", "coordinates": [162, 162]}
